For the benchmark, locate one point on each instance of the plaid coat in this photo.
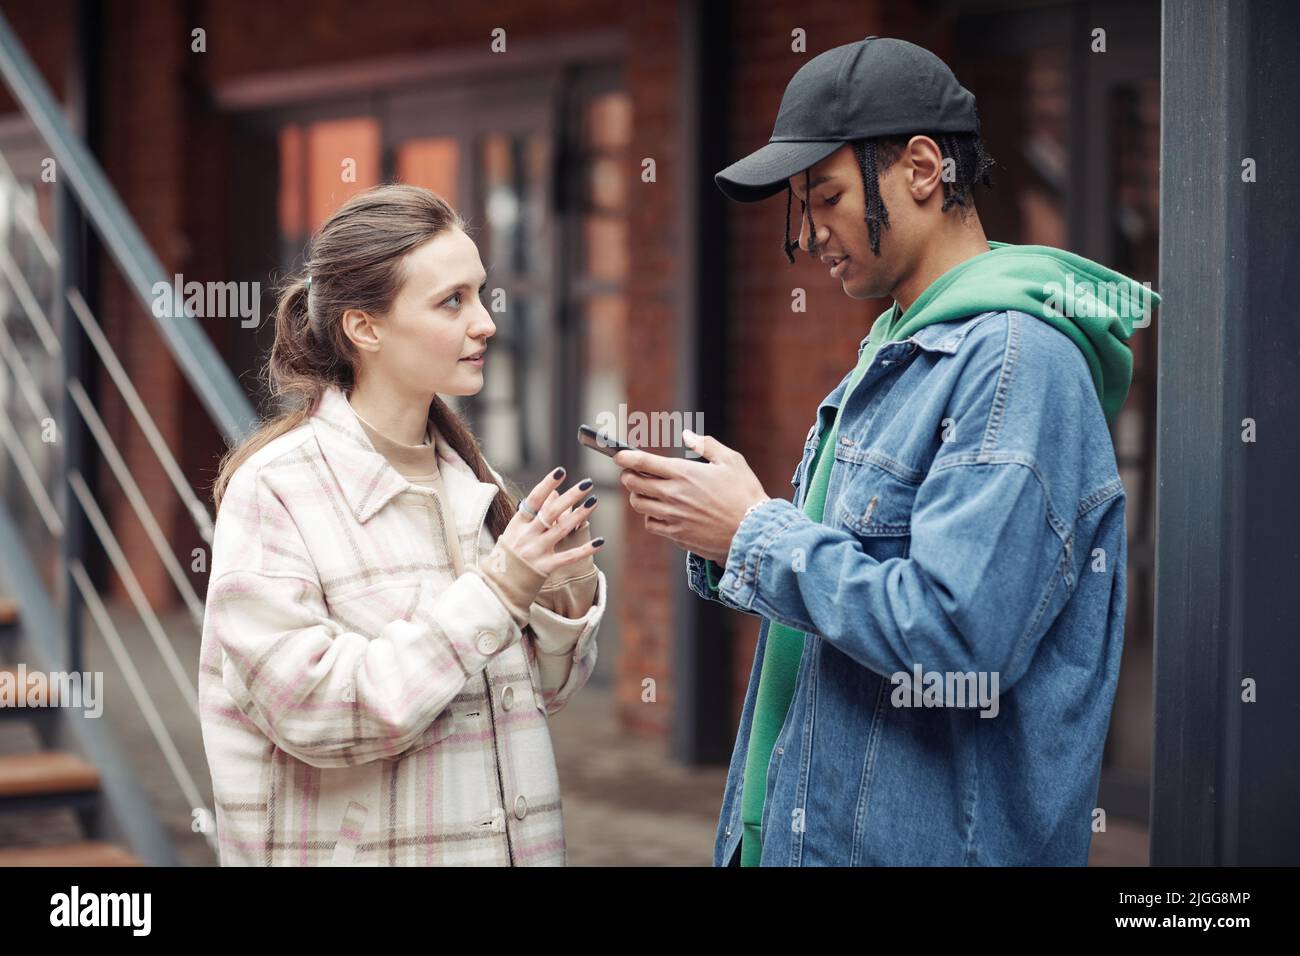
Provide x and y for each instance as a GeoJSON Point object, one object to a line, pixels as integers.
{"type": "Point", "coordinates": [360, 703]}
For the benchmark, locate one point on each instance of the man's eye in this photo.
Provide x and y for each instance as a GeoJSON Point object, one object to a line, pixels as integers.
{"type": "Point", "coordinates": [834, 200]}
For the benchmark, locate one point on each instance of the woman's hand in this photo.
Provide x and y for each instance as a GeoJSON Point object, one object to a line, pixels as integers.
{"type": "Point", "coordinates": [534, 542]}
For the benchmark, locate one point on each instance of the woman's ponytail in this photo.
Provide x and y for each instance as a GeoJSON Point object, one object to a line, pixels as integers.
{"type": "Point", "coordinates": [298, 372]}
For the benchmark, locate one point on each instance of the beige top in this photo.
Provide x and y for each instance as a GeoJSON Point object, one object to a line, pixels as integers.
{"type": "Point", "coordinates": [569, 592]}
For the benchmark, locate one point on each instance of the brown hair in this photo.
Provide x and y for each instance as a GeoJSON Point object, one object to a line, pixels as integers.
{"type": "Point", "coordinates": [355, 262]}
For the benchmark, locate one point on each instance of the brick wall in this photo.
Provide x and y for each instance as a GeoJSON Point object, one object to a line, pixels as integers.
{"type": "Point", "coordinates": [144, 48]}
{"type": "Point", "coordinates": [654, 229]}
{"type": "Point", "coordinates": [166, 148]}
{"type": "Point", "coordinates": [46, 31]}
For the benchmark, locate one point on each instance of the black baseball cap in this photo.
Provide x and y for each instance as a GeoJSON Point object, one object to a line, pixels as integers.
{"type": "Point", "coordinates": [875, 87]}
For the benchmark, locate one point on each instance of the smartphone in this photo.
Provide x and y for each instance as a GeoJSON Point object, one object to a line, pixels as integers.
{"type": "Point", "coordinates": [601, 441]}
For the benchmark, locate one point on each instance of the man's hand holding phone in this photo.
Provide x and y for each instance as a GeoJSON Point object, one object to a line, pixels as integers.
{"type": "Point", "coordinates": [698, 505]}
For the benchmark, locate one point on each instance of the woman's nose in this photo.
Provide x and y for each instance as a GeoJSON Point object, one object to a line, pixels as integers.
{"type": "Point", "coordinates": [483, 326]}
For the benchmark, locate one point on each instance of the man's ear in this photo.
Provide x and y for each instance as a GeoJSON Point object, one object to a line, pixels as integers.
{"type": "Point", "coordinates": [361, 329]}
{"type": "Point", "coordinates": [924, 165]}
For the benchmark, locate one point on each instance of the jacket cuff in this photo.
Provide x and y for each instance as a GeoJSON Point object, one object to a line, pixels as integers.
{"type": "Point", "coordinates": [750, 546]}
{"type": "Point", "coordinates": [512, 579]}
{"type": "Point", "coordinates": [571, 590]}
{"type": "Point", "coordinates": [556, 635]}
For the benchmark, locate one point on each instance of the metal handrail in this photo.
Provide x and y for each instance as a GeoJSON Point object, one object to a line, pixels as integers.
{"type": "Point", "coordinates": [135, 497]}
{"type": "Point", "coordinates": [157, 726]}
{"type": "Point", "coordinates": [135, 404]}
{"type": "Point", "coordinates": [87, 189]}
{"type": "Point", "coordinates": [31, 478]}
{"type": "Point", "coordinates": [144, 832]}
{"type": "Point", "coordinates": [218, 389]}
{"type": "Point", "coordinates": [198, 511]}
{"type": "Point", "coordinates": [27, 386]}
{"type": "Point", "coordinates": [95, 335]}
{"type": "Point", "coordinates": [28, 215]}
{"type": "Point", "coordinates": [40, 321]}
{"type": "Point", "coordinates": [117, 557]}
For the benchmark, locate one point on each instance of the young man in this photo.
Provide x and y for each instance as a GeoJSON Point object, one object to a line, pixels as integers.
{"type": "Point", "coordinates": [943, 601]}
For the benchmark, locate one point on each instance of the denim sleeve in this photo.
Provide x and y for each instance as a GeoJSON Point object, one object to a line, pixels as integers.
{"type": "Point", "coordinates": [702, 576]}
{"type": "Point", "coordinates": [987, 560]}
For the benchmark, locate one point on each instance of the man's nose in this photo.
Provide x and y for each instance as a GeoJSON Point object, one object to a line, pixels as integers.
{"type": "Point", "coordinates": [804, 233]}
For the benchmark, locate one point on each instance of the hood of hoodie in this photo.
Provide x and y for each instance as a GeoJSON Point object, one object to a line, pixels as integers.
{"type": "Point", "coordinates": [1094, 306]}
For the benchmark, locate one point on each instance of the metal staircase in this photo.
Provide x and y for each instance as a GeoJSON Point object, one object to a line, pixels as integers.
{"type": "Point", "coordinates": [51, 436]}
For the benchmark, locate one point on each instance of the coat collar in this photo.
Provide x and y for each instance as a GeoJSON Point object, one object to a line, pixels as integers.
{"type": "Point", "coordinates": [368, 480]}
{"type": "Point", "coordinates": [938, 336]}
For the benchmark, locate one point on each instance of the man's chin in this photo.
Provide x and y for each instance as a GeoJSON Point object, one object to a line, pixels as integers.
{"type": "Point", "coordinates": [858, 289]}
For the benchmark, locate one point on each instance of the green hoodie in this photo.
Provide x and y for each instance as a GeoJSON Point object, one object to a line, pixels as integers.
{"type": "Point", "coordinates": [1093, 305]}
{"type": "Point", "coordinates": [1086, 301]}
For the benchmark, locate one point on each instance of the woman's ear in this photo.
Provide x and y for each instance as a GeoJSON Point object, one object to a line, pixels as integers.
{"type": "Point", "coordinates": [361, 329]}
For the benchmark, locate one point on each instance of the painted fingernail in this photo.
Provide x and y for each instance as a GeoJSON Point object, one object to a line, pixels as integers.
{"type": "Point", "coordinates": [584, 484]}
{"type": "Point", "coordinates": [558, 474]}
{"type": "Point", "coordinates": [590, 502]}
{"type": "Point", "coordinates": [598, 542]}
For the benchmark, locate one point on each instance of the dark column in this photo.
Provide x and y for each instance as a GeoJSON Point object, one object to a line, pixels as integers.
{"type": "Point", "coordinates": [701, 730]}
{"type": "Point", "coordinates": [1226, 776]}
{"type": "Point", "coordinates": [77, 269]}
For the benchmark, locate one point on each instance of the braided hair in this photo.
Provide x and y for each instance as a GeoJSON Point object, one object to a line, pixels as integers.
{"type": "Point", "coordinates": [971, 165]}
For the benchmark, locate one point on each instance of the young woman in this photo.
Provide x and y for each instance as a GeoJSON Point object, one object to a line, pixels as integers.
{"type": "Point", "coordinates": [385, 634]}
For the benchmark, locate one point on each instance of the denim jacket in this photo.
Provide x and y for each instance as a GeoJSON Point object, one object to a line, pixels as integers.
{"type": "Point", "coordinates": [973, 531]}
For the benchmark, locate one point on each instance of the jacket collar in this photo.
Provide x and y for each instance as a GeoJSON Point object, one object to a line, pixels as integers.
{"type": "Point", "coordinates": [368, 480]}
{"type": "Point", "coordinates": [945, 337]}
{"type": "Point", "coordinates": [938, 336]}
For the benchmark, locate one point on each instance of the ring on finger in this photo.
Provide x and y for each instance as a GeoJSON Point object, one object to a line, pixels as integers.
{"type": "Point", "coordinates": [527, 509]}
{"type": "Point", "coordinates": [548, 525]}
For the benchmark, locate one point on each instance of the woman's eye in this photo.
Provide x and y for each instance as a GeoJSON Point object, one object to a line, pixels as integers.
{"type": "Point", "coordinates": [834, 200]}
{"type": "Point", "coordinates": [453, 300]}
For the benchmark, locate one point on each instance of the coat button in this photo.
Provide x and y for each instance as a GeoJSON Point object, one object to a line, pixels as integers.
{"type": "Point", "coordinates": [487, 643]}
{"type": "Point", "coordinates": [521, 807]}
{"type": "Point", "coordinates": [507, 697]}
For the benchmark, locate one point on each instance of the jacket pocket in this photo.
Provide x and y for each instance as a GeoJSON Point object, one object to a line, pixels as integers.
{"type": "Point", "coordinates": [876, 506]}
{"type": "Point", "coordinates": [372, 608]}
{"type": "Point", "coordinates": [349, 835]}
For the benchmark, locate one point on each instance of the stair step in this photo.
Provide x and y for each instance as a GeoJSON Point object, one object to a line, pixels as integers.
{"type": "Point", "coordinates": [47, 773]}
{"type": "Point", "coordinates": [68, 854]}
{"type": "Point", "coordinates": [9, 674]}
